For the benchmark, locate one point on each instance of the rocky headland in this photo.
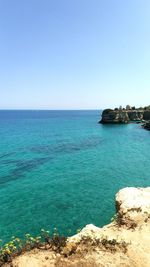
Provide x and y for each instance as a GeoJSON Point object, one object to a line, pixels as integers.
{"type": "Point", "coordinates": [146, 125]}
{"type": "Point", "coordinates": [126, 115]}
{"type": "Point", "coordinates": [122, 243]}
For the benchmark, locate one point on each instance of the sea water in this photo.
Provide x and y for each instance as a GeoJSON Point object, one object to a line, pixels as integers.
{"type": "Point", "coordinates": [62, 169]}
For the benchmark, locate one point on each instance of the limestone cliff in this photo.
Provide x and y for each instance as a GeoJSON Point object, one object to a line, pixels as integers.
{"type": "Point", "coordinates": [146, 125]}
{"type": "Point", "coordinates": [124, 116]}
{"type": "Point", "coordinates": [122, 243]}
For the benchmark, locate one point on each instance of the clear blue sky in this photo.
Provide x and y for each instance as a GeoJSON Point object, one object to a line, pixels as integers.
{"type": "Point", "coordinates": [74, 54]}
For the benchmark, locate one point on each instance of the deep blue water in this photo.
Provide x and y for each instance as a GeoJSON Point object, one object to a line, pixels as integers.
{"type": "Point", "coordinates": [62, 169]}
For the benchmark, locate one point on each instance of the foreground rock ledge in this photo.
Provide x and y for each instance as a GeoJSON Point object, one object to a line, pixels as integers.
{"type": "Point", "coordinates": [124, 242]}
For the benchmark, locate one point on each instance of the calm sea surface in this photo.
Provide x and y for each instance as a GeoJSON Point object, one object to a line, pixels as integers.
{"type": "Point", "coordinates": [62, 169]}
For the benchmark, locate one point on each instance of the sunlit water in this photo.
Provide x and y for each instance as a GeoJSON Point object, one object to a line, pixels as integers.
{"type": "Point", "coordinates": [62, 169]}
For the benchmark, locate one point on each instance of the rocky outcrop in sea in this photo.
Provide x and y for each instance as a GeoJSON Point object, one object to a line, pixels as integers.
{"type": "Point", "coordinates": [146, 125]}
{"type": "Point", "coordinates": [122, 115]}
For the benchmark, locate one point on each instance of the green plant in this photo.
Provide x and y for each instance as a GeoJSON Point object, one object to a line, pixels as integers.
{"type": "Point", "coordinates": [78, 231]}
{"type": "Point", "coordinates": [118, 219]}
{"type": "Point", "coordinates": [16, 245]}
{"type": "Point", "coordinates": [45, 236]}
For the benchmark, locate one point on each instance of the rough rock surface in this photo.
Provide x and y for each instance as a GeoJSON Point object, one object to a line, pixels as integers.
{"type": "Point", "coordinates": [146, 125]}
{"type": "Point", "coordinates": [111, 116]}
{"type": "Point", "coordinates": [122, 243]}
{"type": "Point", "coordinates": [135, 115]}
{"type": "Point", "coordinates": [135, 208]}
{"type": "Point", "coordinates": [124, 116]}
{"type": "Point", "coordinates": [146, 115]}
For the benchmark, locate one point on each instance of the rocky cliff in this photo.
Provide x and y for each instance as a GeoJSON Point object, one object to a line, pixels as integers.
{"type": "Point", "coordinates": [146, 125]}
{"type": "Point", "coordinates": [122, 243]}
{"type": "Point", "coordinates": [112, 116]}
{"type": "Point", "coordinates": [124, 116]}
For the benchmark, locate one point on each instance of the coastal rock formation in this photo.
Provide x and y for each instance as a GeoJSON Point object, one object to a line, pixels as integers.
{"type": "Point", "coordinates": [123, 115]}
{"type": "Point", "coordinates": [135, 115]}
{"type": "Point", "coordinates": [122, 243]}
{"type": "Point", "coordinates": [112, 116]}
{"type": "Point", "coordinates": [146, 125]}
{"type": "Point", "coordinates": [146, 115]}
{"type": "Point", "coordinates": [134, 209]}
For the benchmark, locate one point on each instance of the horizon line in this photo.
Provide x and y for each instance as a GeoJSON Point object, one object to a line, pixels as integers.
{"type": "Point", "coordinates": [36, 109]}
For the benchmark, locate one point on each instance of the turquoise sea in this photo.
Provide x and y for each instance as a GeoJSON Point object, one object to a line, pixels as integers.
{"type": "Point", "coordinates": [62, 169]}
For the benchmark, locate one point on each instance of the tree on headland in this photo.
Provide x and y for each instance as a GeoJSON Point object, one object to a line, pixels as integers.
{"type": "Point", "coordinates": [128, 107]}
{"type": "Point", "coordinates": [147, 108]}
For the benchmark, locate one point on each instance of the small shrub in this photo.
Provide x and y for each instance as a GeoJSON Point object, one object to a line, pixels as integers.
{"type": "Point", "coordinates": [78, 231]}
{"type": "Point", "coordinates": [117, 218]}
{"type": "Point", "coordinates": [16, 246]}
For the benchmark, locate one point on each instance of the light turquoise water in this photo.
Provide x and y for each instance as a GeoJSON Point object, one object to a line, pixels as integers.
{"type": "Point", "coordinates": [62, 169]}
